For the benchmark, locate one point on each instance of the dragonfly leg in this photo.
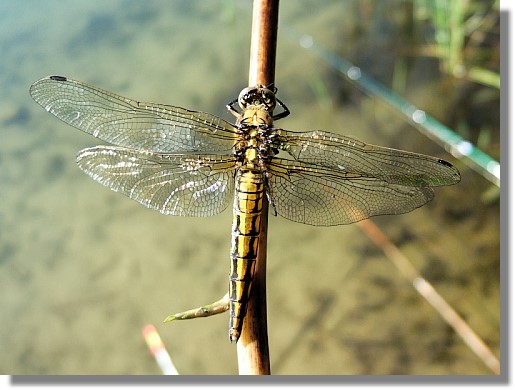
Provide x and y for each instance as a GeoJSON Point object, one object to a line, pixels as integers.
{"type": "Point", "coordinates": [282, 114]}
{"type": "Point", "coordinates": [217, 307]}
{"type": "Point", "coordinates": [231, 109]}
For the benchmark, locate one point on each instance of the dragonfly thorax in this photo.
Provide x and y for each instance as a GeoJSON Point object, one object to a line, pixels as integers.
{"type": "Point", "coordinates": [254, 148]}
{"type": "Point", "coordinates": [254, 116]}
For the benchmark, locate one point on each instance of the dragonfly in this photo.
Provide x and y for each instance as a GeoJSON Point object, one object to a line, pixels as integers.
{"type": "Point", "coordinates": [192, 163]}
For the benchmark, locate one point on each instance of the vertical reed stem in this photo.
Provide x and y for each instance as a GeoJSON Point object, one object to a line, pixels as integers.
{"type": "Point", "coordinates": [252, 347]}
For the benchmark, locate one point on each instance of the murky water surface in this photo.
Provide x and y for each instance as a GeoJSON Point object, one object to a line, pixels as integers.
{"type": "Point", "coordinates": [83, 269]}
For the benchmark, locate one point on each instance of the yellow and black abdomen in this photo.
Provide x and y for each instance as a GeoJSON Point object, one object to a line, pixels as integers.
{"type": "Point", "coordinates": [248, 204]}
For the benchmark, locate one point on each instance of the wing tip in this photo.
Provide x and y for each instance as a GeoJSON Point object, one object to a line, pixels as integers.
{"type": "Point", "coordinates": [35, 88]}
{"type": "Point", "coordinates": [456, 177]}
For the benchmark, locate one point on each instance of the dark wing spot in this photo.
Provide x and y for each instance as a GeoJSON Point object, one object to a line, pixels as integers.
{"type": "Point", "coordinates": [58, 78]}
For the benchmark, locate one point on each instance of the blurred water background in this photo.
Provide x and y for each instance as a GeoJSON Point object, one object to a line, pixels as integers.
{"type": "Point", "coordinates": [83, 269]}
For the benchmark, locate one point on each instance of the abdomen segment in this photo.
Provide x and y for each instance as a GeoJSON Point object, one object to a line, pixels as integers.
{"type": "Point", "coordinates": [248, 205]}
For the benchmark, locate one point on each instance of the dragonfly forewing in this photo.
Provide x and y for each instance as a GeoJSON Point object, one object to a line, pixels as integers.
{"type": "Point", "coordinates": [129, 123]}
{"type": "Point", "coordinates": [348, 155]}
{"type": "Point", "coordinates": [173, 184]}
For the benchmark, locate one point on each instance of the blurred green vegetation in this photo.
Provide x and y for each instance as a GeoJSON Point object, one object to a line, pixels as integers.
{"type": "Point", "coordinates": [464, 36]}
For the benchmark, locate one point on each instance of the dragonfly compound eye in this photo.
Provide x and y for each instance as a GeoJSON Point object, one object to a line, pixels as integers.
{"type": "Point", "coordinates": [257, 96]}
{"type": "Point", "coordinates": [267, 98]}
{"type": "Point", "coordinates": [245, 97]}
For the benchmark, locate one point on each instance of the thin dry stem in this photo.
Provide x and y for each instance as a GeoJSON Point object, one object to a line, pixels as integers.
{"type": "Point", "coordinates": [252, 347]}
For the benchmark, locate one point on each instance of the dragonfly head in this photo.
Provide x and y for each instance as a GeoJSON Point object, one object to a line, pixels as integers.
{"type": "Point", "coordinates": [259, 96]}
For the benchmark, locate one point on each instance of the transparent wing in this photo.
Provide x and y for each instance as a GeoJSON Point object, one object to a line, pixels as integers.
{"type": "Point", "coordinates": [173, 184]}
{"type": "Point", "coordinates": [125, 122]}
{"type": "Point", "coordinates": [346, 154]}
{"type": "Point", "coordinates": [314, 195]}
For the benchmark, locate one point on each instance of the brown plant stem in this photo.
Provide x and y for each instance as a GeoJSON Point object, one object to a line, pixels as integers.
{"type": "Point", "coordinates": [252, 347]}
